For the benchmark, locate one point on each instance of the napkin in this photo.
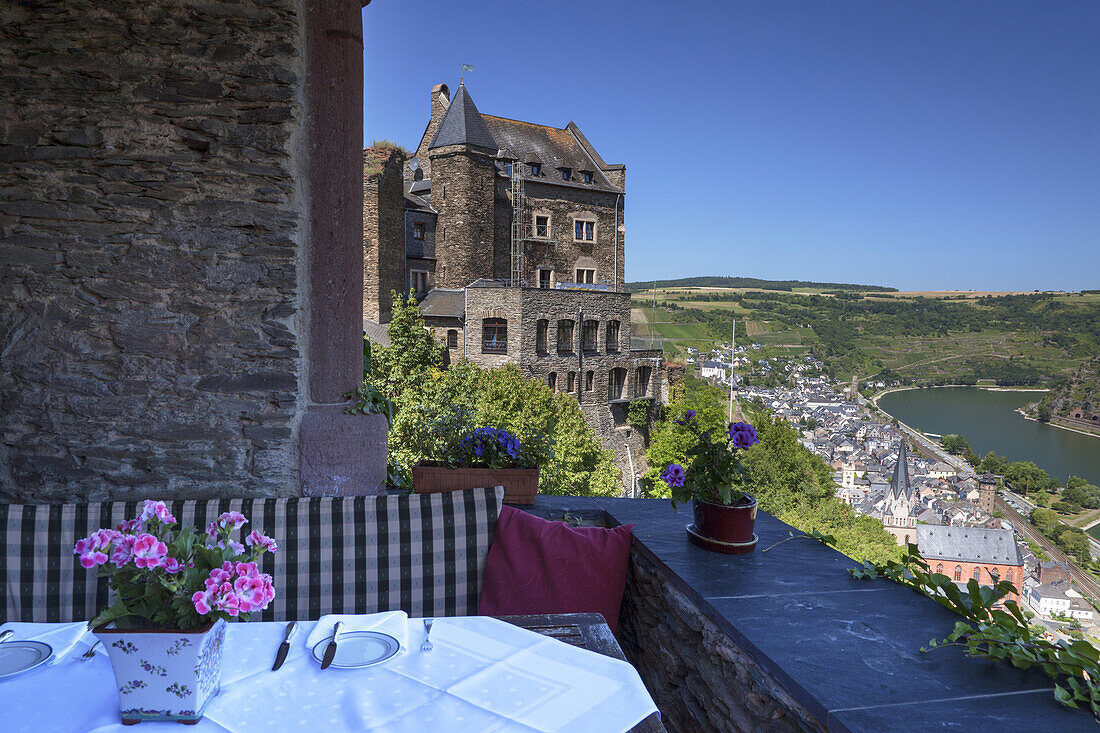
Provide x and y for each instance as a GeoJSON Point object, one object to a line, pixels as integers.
{"type": "Point", "coordinates": [394, 623]}
{"type": "Point", "coordinates": [61, 637]}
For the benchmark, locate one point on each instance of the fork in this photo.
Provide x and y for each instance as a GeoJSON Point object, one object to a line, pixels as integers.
{"type": "Point", "coordinates": [90, 654]}
{"type": "Point", "coordinates": [427, 645]}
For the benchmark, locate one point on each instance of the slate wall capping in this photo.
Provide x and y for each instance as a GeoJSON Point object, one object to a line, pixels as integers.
{"type": "Point", "coordinates": [788, 640]}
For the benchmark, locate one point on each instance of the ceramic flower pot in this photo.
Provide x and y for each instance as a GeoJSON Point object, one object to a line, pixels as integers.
{"type": "Point", "coordinates": [724, 528]}
{"type": "Point", "coordinates": [165, 675]}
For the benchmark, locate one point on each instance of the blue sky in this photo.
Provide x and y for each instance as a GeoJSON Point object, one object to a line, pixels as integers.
{"type": "Point", "coordinates": [922, 145]}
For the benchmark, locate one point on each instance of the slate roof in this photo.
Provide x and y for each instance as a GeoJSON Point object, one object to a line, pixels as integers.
{"type": "Point", "coordinates": [900, 484]}
{"type": "Point", "coordinates": [377, 333]}
{"type": "Point", "coordinates": [444, 303]}
{"type": "Point", "coordinates": [969, 544]}
{"type": "Point", "coordinates": [553, 147]}
{"type": "Point", "coordinates": [463, 125]}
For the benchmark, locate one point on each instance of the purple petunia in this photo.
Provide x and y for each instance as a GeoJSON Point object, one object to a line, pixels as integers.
{"type": "Point", "coordinates": [743, 435]}
{"type": "Point", "coordinates": [674, 475]}
{"type": "Point", "coordinates": [688, 417]}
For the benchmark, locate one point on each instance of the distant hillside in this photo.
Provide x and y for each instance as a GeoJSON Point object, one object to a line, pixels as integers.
{"type": "Point", "coordinates": [752, 282]}
{"type": "Point", "coordinates": [1081, 391]}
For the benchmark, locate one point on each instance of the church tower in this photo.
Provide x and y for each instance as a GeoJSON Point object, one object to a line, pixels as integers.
{"type": "Point", "coordinates": [900, 502]}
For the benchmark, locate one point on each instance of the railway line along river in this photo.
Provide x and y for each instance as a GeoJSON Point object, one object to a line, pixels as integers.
{"type": "Point", "coordinates": [989, 421]}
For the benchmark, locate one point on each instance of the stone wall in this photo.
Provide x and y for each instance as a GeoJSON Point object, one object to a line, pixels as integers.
{"type": "Point", "coordinates": [151, 215]}
{"type": "Point", "coordinates": [462, 193]}
{"type": "Point", "coordinates": [699, 678]}
{"type": "Point", "coordinates": [383, 231]}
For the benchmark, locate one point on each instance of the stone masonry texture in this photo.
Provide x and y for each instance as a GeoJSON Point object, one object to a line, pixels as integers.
{"type": "Point", "coordinates": [699, 678]}
{"type": "Point", "coordinates": [383, 232]}
{"type": "Point", "coordinates": [151, 224]}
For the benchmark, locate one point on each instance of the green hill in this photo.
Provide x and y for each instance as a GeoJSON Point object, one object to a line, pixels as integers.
{"type": "Point", "coordinates": [752, 282]}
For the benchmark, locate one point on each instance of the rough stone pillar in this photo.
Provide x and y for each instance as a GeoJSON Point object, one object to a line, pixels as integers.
{"type": "Point", "coordinates": [340, 454]}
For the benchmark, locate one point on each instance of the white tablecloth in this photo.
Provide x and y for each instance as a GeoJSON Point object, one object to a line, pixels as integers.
{"type": "Point", "coordinates": [483, 675]}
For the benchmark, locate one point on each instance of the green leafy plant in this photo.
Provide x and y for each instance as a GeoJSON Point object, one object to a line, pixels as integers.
{"type": "Point", "coordinates": [637, 414]}
{"type": "Point", "coordinates": [714, 472]}
{"type": "Point", "coordinates": [1000, 634]}
{"type": "Point", "coordinates": [366, 398]}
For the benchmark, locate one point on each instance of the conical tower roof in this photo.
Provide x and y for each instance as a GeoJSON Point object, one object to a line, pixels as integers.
{"type": "Point", "coordinates": [899, 484]}
{"type": "Point", "coordinates": [463, 125]}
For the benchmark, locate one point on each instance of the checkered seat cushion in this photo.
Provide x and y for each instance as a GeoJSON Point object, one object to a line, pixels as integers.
{"type": "Point", "coordinates": [424, 554]}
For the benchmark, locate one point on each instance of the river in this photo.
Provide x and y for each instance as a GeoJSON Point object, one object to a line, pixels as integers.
{"type": "Point", "coordinates": [989, 422]}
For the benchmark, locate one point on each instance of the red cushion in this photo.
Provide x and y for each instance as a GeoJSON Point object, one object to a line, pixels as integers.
{"type": "Point", "coordinates": [536, 566]}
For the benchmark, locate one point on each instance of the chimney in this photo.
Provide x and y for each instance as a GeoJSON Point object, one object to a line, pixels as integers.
{"type": "Point", "coordinates": [441, 99]}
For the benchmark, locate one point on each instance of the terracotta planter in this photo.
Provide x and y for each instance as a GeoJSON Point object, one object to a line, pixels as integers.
{"type": "Point", "coordinates": [520, 484]}
{"type": "Point", "coordinates": [165, 675]}
{"type": "Point", "coordinates": [722, 528]}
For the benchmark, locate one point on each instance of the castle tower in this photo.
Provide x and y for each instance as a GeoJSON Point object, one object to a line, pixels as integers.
{"type": "Point", "coordinates": [463, 176]}
{"type": "Point", "coordinates": [383, 231]}
{"type": "Point", "coordinates": [987, 492]}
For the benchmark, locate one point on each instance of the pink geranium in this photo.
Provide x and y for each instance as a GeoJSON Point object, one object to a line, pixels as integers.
{"type": "Point", "coordinates": [172, 565]}
{"type": "Point", "coordinates": [123, 550]}
{"type": "Point", "coordinates": [149, 552]}
{"type": "Point", "coordinates": [235, 588]}
{"type": "Point", "coordinates": [93, 548]}
{"type": "Point", "coordinates": [265, 543]}
{"type": "Point", "coordinates": [158, 510]}
{"type": "Point", "coordinates": [130, 525]}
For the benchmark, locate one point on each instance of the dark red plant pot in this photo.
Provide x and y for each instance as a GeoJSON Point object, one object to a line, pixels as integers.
{"type": "Point", "coordinates": [722, 528]}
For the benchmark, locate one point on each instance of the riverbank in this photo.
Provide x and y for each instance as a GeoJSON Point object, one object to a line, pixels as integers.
{"type": "Point", "coordinates": [1056, 425]}
{"type": "Point", "coordinates": [891, 390]}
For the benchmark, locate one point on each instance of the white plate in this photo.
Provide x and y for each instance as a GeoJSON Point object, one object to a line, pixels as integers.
{"type": "Point", "coordinates": [356, 649]}
{"type": "Point", "coordinates": [19, 656]}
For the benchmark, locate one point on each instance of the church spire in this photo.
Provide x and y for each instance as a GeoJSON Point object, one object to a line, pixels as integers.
{"type": "Point", "coordinates": [899, 484]}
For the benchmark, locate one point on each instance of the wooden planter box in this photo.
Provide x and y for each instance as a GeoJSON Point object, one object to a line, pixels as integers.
{"type": "Point", "coordinates": [520, 484]}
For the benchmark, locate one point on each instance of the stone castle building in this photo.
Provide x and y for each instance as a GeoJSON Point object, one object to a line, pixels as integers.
{"type": "Point", "coordinates": [511, 235]}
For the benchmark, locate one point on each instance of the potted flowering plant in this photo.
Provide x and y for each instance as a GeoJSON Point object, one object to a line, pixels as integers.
{"type": "Point", "coordinates": [713, 481]}
{"type": "Point", "coordinates": [173, 592]}
{"type": "Point", "coordinates": [485, 456]}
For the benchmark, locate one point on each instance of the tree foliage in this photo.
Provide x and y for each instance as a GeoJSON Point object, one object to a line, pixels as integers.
{"type": "Point", "coordinates": [412, 353]}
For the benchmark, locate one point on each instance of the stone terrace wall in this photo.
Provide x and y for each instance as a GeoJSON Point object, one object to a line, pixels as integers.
{"type": "Point", "coordinates": [150, 220]}
{"type": "Point", "coordinates": [700, 680]}
{"type": "Point", "coordinates": [383, 231]}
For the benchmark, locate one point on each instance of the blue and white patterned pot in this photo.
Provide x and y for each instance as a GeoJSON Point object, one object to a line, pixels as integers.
{"type": "Point", "coordinates": [165, 675]}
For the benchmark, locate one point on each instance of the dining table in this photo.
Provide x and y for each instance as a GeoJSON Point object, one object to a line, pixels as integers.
{"type": "Point", "coordinates": [562, 672]}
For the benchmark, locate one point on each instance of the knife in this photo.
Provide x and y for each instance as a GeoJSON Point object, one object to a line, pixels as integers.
{"type": "Point", "coordinates": [330, 650]}
{"type": "Point", "coordinates": [284, 648]}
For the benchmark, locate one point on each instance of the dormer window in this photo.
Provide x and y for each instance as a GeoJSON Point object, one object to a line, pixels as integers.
{"type": "Point", "coordinates": [566, 173]}
{"type": "Point", "coordinates": [536, 169]}
{"type": "Point", "coordinates": [587, 176]}
{"type": "Point", "coordinates": [508, 169]}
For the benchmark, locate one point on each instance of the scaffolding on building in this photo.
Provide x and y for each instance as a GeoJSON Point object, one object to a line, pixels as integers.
{"type": "Point", "coordinates": [525, 232]}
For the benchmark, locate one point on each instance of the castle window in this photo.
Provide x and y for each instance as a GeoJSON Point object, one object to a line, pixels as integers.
{"type": "Point", "coordinates": [589, 379]}
{"type": "Point", "coordinates": [571, 382]}
{"type": "Point", "coordinates": [612, 335]}
{"type": "Point", "coordinates": [552, 381]}
{"type": "Point", "coordinates": [590, 336]}
{"type": "Point", "coordinates": [585, 276]}
{"type": "Point", "coordinates": [566, 173]}
{"type": "Point", "coordinates": [494, 336]}
{"type": "Point", "coordinates": [616, 380]}
{"type": "Point", "coordinates": [545, 277]}
{"type": "Point", "coordinates": [565, 335]}
{"type": "Point", "coordinates": [542, 226]}
{"type": "Point", "coordinates": [540, 335]}
{"type": "Point", "coordinates": [418, 230]}
{"type": "Point", "coordinates": [508, 169]}
{"type": "Point", "coordinates": [452, 339]}
{"type": "Point", "coordinates": [587, 176]}
{"type": "Point", "coordinates": [536, 169]}
{"type": "Point", "coordinates": [418, 281]}
{"type": "Point", "coordinates": [939, 568]}
{"type": "Point", "coordinates": [584, 231]}
{"type": "Point", "coordinates": [958, 573]}
{"type": "Point", "coordinates": [641, 386]}
{"type": "Point", "coordinates": [978, 574]}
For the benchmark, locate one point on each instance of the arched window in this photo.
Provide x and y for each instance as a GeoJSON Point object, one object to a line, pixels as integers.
{"type": "Point", "coordinates": [565, 335]}
{"type": "Point", "coordinates": [978, 574]}
{"type": "Point", "coordinates": [452, 339]}
{"type": "Point", "coordinates": [589, 380]}
{"type": "Point", "coordinates": [907, 539]}
{"type": "Point", "coordinates": [939, 568]}
{"type": "Point", "coordinates": [616, 380]}
{"type": "Point", "coordinates": [958, 573]}
{"type": "Point", "coordinates": [612, 335]}
{"type": "Point", "coordinates": [494, 336]}
{"type": "Point", "coordinates": [641, 389]}
{"type": "Point", "coordinates": [543, 327]}
{"type": "Point", "coordinates": [552, 381]}
{"type": "Point", "coordinates": [571, 382]}
{"type": "Point", "coordinates": [590, 335]}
